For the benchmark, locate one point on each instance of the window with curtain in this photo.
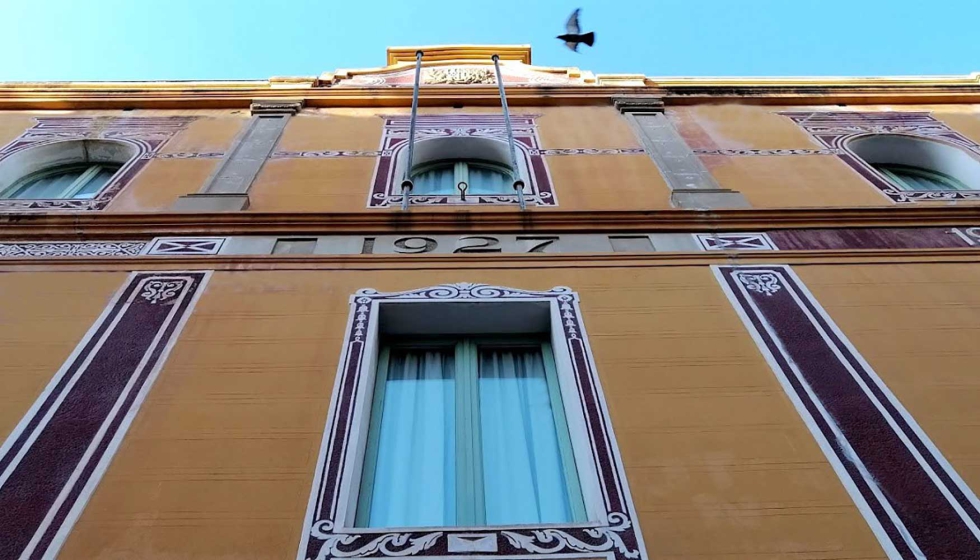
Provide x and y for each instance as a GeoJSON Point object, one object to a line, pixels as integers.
{"type": "Point", "coordinates": [468, 433]}
{"type": "Point", "coordinates": [910, 178]}
{"type": "Point", "coordinates": [443, 178]}
{"type": "Point", "coordinates": [68, 181]}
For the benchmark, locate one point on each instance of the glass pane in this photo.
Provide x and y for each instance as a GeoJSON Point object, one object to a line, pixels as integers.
{"type": "Point", "coordinates": [484, 180]}
{"type": "Point", "coordinates": [48, 185]}
{"type": "Point", "coordinates": [95, 184]}
{"type": "Point", "coordinates": [415, 474]}
{"type": "Point", "coordinates": [522, 471]}
{"type": "Point", "coordinates": [440, 180]}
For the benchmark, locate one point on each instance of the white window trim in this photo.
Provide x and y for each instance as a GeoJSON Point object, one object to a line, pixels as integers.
{"type": "Point", "coordinates": [329, 526]}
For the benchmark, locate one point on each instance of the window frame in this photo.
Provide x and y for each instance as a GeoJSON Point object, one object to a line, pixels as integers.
{"type": "Point", "coordinates": [89, 173]}
{"type": "Point", "coordinates": [470, 511]}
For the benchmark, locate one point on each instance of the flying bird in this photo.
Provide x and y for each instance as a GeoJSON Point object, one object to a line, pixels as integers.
{"type": "Point", "coordinates": [573, 33]}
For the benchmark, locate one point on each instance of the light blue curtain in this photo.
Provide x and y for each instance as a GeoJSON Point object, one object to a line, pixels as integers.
{"type": "Point", "coordinates": [48, 186]}
{"type": "Point", "coordinates": [919, 182]}
{"type": "Point", "coordinates": [484, 180]}
{"type": "Point", "coordinates": [53, 185]}
{"type": "Point", "coordinates": [523, 477]}
{"type": "Point", "coordinates": [94, 185]}
{"type": "Point", "coordinates": [440, 180]}
{"type": "Point", "coordinates": [415, 475]}
{"type": "Point", "coordinates": [908, 178]}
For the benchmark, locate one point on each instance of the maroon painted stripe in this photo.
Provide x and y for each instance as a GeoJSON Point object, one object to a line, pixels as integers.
{"type": "Point", "coordinates": [792, 338]}
{"type": "Point", "coordinates": [866, 238]}
{"type": "Point", "coordinates": [56, 453]}
{"type": "Point", "coordinates": [893, 532]}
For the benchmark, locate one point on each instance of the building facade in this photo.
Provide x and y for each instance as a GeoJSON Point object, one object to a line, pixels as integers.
{"type": "Point", "coordinates": [734, 319]}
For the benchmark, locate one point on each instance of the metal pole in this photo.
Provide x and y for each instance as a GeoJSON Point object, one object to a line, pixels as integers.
{"type": "Point", "coordinates": [407, 180]}
{"type": "Point", "coordinates": [518, 183]}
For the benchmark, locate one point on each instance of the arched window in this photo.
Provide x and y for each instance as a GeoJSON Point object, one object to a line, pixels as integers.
{"type": "Point", "coordinates": [454, 176]}
{"type": "Point", "coordinates": [64, 181]}
{"type": "Point", "coordinates": [74, 169]}
{"type": "Point", "coordinates": [916, 164]}
{"type": "Point", "coordinates": [443, 164]}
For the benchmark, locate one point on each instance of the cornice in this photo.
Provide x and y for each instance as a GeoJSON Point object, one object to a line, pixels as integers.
{"type": "Point", "coordinates": [457, 262]}
{"type": "Point", "coordinates": [125, 226]}
{"type": "Point", "coordinates": [330, 89]}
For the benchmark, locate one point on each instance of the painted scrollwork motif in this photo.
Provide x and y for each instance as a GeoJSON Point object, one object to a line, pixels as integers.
{"type": "Point", "coordinates": [72, 249]}
{"type": "Point", "coordinates": [913, 196]}
{"type": "Point", "coordinates": [358, 546]}
{"type": "Point", "coordinates": [550, 541]}
{"type": "Point", "coordinates": [157, 291]}
{"type": "Point", "coordinates": [467, 290]}
{"type": "Point", "coordinates": [765, 283]}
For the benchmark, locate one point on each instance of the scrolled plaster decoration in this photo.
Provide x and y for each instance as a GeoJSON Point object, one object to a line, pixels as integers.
{"type": "Point", "coordinates": [551, 541]}
{"type": "Point", "coordinates": [354, 546]}
{"type": "Point", "coordinates": [766, 284]}
{"type": "Point", "coordinates": [160, 291]}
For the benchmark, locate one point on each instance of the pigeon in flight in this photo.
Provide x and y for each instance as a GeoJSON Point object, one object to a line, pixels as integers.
{"type": "Point", "coordinates": [574, 35]}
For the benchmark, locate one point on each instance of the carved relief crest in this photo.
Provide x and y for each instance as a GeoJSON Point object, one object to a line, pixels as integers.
{"type": "Point", "coordinates": [459, 75]}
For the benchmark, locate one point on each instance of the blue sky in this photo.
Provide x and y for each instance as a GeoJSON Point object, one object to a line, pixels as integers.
{"type": "Point", "coordinates": [242, 39]}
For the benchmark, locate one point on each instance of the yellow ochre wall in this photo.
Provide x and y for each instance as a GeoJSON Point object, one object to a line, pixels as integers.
{"type": "Point", "coordinates": [581, 182]}
{"type": "Point", "coordinates": [42, 319]}
{"type": "Point", "coordinates": [220, 459]}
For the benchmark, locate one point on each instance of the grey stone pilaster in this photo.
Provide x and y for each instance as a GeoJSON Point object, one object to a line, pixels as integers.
{"type": "Point", "coordinates": [227, 188]}
{"type": "Point", "coordinates": [691, 184]}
